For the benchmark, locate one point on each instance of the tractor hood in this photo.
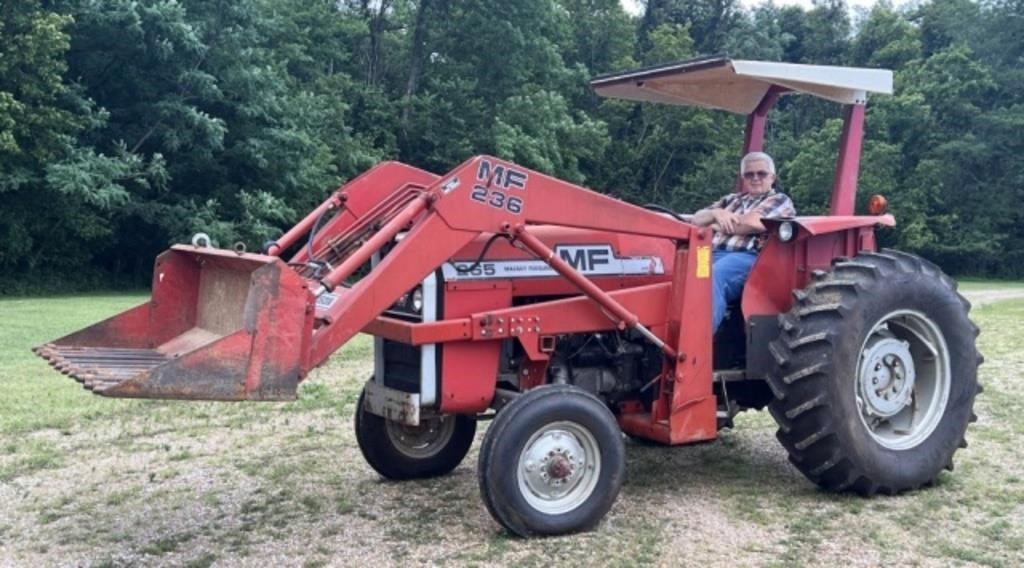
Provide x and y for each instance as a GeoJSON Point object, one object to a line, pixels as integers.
{"type": "Point", "coordinates": [739, 86]}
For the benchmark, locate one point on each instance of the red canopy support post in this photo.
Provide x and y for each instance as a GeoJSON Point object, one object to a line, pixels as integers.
{"type": "Point", "coordinates": [844, 189]}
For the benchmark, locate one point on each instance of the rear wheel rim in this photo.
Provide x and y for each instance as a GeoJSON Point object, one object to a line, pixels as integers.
{"type": "Point", "coordinates": [559, 467]}
{"type": "Point", "coordinates": [903, 379]}
{"type": "Point", "coordinates": [422, 441]}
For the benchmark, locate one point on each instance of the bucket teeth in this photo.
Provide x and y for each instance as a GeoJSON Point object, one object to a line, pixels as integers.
{"type": "Point", "coordinates": [99, 368]}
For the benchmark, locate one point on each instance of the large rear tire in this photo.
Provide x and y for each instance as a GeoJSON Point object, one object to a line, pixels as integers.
{"type": "Point", "coordinates": [397, 451]}
{"type": "Point", "coordinates": [876, 374]}
{"type": "Point", "coordinates": [552, 462]}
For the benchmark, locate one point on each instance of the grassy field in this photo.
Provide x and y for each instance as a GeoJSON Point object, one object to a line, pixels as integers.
{"type": "Point", "coordinates": [88, 481]}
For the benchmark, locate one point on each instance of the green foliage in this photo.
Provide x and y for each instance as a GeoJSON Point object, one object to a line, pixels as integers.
{"type": "Point", "coordinates": [885, 39]}
{"type": "Point", "coordinates": [127, 125]}
{"type": "Point", "coordinates": [538, 131]}
{"type": "Point", "coordinates": [601, 35]}
{"type": "Point", "coordinates": [34, 125]}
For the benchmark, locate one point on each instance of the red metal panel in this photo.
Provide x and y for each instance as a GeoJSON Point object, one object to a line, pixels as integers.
{"type": "Point", "coordinates": [570, 315]}
{"type": "Point", "coordinates": [555, 286]}
{"type": "Point", "coordinates": [685, 408]}
{"type": "Point", "coordinates": [769, 288]}
{"type": "Point", "coordinates": [369, 189]}
{"type": "Point", "coordinates": [784, 267]}
{"type": "Point", "coordinates": [366, 201]}
{"type": "Point", "coordinates": [820, 250]}
{"type": "Point", "coordinates": [215, 372]}
{"type": "Point", "coordinates": [623, 246]}
{"type": "Point", "coordinates": [129, 329]}
{"type": "Point", "coordinates": [175, 298]}
{"type": "Point", "coordinates": [278, 314]}
{"type": "Point", "coordinates": [866, 240]}
{"type": "Point", "coordinates": [487, 194]}
{"type": "Point", "coordinates": [419, 333]}
{"type": "Point", "coordinates": [469, 370]}
{"type": "Point", "coordinates": [692, 412]}
{"type": "Point", "coordinates": [822, 225]}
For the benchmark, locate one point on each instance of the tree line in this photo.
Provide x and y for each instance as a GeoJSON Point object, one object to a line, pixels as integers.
{"type": "Point", "coordinates": [127, 125]}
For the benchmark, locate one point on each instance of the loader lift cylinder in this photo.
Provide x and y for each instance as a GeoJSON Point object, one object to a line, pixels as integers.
{"type": "Point", "coordinates": [383, 236]}
{"type": "Point", "coordinates": [275, 248]}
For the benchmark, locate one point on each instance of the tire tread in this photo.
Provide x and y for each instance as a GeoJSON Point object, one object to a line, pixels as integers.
{"type": "Point", "coordinates": [803, 353]}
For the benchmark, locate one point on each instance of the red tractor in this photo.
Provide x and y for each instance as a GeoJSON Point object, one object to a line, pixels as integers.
{"type": "Point", "coordinates": [569, 318]}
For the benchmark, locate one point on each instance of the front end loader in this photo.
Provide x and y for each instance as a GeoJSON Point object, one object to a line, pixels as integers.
{"type": "Point", "coordinates": [569, 317]}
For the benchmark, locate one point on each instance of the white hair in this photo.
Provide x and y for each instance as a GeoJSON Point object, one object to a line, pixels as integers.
{"type": "Point", "coordinates": [755, 156]}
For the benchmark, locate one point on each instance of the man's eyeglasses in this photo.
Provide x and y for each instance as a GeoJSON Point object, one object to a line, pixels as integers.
{"type": "Point", "coordinates": [761, 174]}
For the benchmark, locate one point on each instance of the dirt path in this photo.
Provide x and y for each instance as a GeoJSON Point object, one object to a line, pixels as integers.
{"type": "Point", "coordinates": [982, 297]}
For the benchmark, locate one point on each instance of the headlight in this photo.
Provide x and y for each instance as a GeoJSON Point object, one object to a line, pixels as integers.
{"type": "Point", "coordinates": [786, 231]}
{"type": "Point", "coordinates": [417, 300]}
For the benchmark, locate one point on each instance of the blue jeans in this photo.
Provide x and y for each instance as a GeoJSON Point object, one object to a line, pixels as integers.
{"type": "Point", "coordinates": [728, 275]}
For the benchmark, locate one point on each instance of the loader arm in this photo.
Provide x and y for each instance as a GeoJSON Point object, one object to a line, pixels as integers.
{"type": "Point", "coordinates": [488, 196]}
{"type": "Point", "coordinates": [482, 195]}
{"type": "Point", "coordinates": [224, 325]}
{"type": "Point", "coordinates": [230, 326]}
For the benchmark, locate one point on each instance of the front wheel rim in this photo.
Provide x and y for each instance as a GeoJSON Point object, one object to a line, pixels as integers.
{"type": "Point", "coordinates": [423, 441]}
{"type": "Point", "coordinates": [559, 467]}
{"type": "Point", "coordinates": [903, 379]}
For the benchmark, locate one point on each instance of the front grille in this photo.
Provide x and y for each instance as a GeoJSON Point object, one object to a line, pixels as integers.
{"type": "Point", "coordinates": [407, 368]}
{"type": "Point", "coordinates": [402, 364]}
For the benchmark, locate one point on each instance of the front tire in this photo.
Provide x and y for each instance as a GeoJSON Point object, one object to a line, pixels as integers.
{"type": "Point", "coordinates": [876, 374]}
{"type": "Point", "coordinates": [397, 451]}
{"type": "Point", "coordinates": [552, 462]}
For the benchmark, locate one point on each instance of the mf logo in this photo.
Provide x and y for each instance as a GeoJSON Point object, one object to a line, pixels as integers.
{"type": "Point", "coordinates": [592, 260]}
{"type": "Point", "coordinates": [501, 176]}
{"type": "Point", "coordinates": [585, 258]}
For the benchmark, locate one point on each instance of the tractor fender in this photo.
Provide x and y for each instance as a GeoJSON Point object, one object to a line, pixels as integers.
{"type": "Point", "coordinates": [786, 266]}
{"type": "Point", "coordinates": [820, 225]}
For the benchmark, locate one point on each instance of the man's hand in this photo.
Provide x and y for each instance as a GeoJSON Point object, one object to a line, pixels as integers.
{"type": "Point", "coordinates": [749, 224]}
{"type": "Point", "coordinates": [726, 220]}
{"type": "Point", "coordinates": [729, 223]}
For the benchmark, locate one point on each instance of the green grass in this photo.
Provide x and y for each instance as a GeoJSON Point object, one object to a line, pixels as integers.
{"type": "Point", "coordinates": [196, 484]}
{"type": "Point", "coordinates": [34, 396]}
{"type": "Point", "coordinates": [30, 456]}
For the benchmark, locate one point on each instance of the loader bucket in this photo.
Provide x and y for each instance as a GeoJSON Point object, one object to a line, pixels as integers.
{"type": "Point", "coordinates": [220, 326]}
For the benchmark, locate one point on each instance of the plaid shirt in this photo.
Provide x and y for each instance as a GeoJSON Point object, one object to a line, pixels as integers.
{"type": "Point", "coordinates": [770, 204]}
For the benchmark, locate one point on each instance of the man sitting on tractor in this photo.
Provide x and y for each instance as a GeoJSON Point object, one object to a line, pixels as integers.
{"type": "Point", "coordinates": [739, 233]}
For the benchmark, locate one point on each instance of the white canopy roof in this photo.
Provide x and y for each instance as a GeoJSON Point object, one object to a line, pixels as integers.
{"type": "Point", "coordinates": [738, 86]}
